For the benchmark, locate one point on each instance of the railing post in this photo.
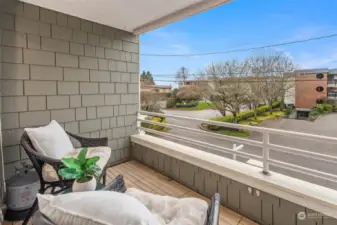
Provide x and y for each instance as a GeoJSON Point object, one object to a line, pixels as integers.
{"type": "Point", "coordinates": [138, 123]}
{"type": "Point", "coordinates": [234, 149]}
{"type": "Point", "coordinates": [266, 153]}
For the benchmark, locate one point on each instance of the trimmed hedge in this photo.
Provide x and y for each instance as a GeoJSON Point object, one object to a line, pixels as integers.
{"type": "Point", "coordinates": [187, 105]}
{"type": "Point", "coordinates": [155, 127]}
{"type": "Point", "coordinates": [245, 114]}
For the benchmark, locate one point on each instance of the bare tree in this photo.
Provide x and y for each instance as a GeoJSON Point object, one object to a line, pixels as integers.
{"type": "Point", "coordinates": [150, 101]}
{"type": "Point", "coordinates": [227, 88]}
{"type": "Point", "coordinates": [254, 97]}
{"type": "Point", "coordinates": [188, 93]}
{"type": "Point", "coordinates": [269, 69]}
{"type": "Point", "coordinates": [182, 75]}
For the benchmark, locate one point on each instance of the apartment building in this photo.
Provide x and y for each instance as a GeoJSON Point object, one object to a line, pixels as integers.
{"type": "Point", "coordinates": [310, 87]}
{"type": "Point", "coordinates": [332, 84]}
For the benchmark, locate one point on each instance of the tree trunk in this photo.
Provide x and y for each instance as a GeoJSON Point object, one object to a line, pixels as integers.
{"type": "Point", "coordinates": [223, 112]}
{"type": "Point", "coordinates": [255, 115]}
{"type": "Point", "coordinates": [234, 115]}
{"type": "Point", "coordinates": [282, 105]}
{"type": "Point", "coordinates": [250, 106]}
{"type": "Point", "coordinates": [271, 108]}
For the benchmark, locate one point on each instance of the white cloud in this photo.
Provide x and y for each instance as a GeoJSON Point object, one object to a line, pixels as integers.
{"type": "Point", "coordinates": [311, 31]}
{"type": "Point", "coordinates": [312, 60]}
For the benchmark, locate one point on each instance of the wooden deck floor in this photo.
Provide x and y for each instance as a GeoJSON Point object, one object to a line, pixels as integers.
{"type": "Point", "coordinates": [139, 176]}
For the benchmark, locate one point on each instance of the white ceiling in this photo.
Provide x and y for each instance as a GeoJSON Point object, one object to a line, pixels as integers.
{"type": "Point", "coordinates": [137, 16]}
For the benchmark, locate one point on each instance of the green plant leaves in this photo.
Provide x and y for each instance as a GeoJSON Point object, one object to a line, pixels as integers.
{"type": "Point", "coordinates": [91, 161]}
{"type": "Point", "coordinates": [81, 168]}
{"type": "Point", "coordinates": [70, 173]}
{"type": "Point", "coordinates": [81, 156]}
{"type": "Point", "coordinates": [93, 170]}
{"type": "Point", "coordinates": [71, 163]}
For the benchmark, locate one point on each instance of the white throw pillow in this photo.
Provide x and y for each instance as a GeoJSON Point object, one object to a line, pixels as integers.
{"type": "Point", "coordinates": [172, 211]}
{"type": "Point", "coordinates": [95, 208]}
{"type": "Point", "coordinates": [50, 140]}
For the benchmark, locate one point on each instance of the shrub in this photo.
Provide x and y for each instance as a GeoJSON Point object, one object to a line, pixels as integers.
{"type": "Point", "coordinates": [327, 108]}
{"type": "Point", "coordinates": [154, 107]}
{"type": "Point", "coordinates": [322, 108]}
{"type": "Point", "coordinates": [275, 104]}
{"type": "Point", "coordinates": [155, 127]}
{"type": "Point", "coordinates": [242, 115]}
{"type": "Point", "coordinates": [319, 109]}
{"type": "Point", "coordinates": [171, 102]}
{"type": "Point", "coordinates": [187, 105]}
{"type": "Point", "coordinates": [287, 112]}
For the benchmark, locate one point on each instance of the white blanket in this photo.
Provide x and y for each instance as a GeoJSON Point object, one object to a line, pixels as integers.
{"type": "Point", "coordinates": [172, 211]}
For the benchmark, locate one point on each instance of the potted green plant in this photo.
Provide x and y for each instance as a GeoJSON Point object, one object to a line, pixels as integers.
{"type": "Point", "coordinates": [83, 170]}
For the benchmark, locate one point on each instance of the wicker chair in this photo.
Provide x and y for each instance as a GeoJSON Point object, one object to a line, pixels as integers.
{"type": "Point", "coordinates": [118, 185]}
{"type": "Point", "coordinates": [38, 160]}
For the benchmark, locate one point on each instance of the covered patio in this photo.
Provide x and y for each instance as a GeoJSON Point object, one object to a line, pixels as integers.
{"type": "Point", "coordinates": [78, 64]}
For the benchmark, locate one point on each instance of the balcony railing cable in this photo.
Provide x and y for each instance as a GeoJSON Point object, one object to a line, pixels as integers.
{"type": "Point", "coordinates": [264, 144]}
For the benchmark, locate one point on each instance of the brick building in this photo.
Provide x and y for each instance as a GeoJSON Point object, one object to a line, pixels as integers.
{"type": "Point", "coordinates": [311, 87]}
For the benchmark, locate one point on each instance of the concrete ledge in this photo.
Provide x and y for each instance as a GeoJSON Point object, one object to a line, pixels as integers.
{"type": "Point", "coordinates": [314, 197]}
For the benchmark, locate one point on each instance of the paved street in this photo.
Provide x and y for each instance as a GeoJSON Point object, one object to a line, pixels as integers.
{"type": "Point", "coordinates": [326, 125]}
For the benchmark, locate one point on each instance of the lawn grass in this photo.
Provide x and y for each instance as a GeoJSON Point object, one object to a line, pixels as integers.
{"type": "Point", "coordinates": [249, 122]}
{"type": "Point", "coordinates": [279, 113]}
{"type": "Point", "coordinates": [200, 106]}
{"type": "Point", "coordinates": [234, 133]}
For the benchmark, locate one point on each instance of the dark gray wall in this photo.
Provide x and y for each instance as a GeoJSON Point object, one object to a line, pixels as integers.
{"type": "Point", "coordinates": [264, 208]}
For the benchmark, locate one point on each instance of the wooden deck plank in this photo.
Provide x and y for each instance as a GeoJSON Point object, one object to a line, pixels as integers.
{"type": "Point", "coordinates": [161, 182]}
{"type": "Point", "coordinates": [246, 221]}
{"type": "Point", "coordinates": [142, 166]}
{"type": "Point", "coordinates": [126, 174]}
{"type": "Point", "coordinates": [158, 190]}
{"type": "Point", "coordinates": [193, 194]}
{"type": "Point", "coordinates": [229, 216]}
{"type": "Point", "coordinates": [139, 171]}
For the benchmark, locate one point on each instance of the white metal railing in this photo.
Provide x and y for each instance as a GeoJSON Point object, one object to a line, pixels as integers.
{"type": "Point", "coordinates": [265, 144]}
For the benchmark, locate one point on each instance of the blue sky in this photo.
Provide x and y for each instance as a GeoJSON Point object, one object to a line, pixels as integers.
{"type": "Point", "coordinates": [241, 24]}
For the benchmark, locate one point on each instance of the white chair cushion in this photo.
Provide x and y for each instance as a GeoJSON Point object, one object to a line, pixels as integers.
{"type": "Point", "coordinates": [50, 140]}
{"type": "Point", "coordinates": [95, 208]}
{"type": "Point", "coordinates": [49, 174]}
{"type": "Point", "coordinates": [172, 211]}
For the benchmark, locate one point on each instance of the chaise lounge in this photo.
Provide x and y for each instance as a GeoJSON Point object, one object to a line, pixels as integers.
{"type": "Point", "coordinates": [118, 185]}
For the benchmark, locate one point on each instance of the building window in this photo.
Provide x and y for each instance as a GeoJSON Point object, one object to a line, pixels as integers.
{"type": "Point", "coordinates": [320, 89]}
{"type": "Point", "coordinates": [320, 76]}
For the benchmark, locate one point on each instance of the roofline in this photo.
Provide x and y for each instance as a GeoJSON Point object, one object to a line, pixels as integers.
{"type": "Point", "coordinates": [179, 14]}
{"type": "Point", "coordinates": [319, 70]}
{"type": "Point", "coordinates": [333, 71]}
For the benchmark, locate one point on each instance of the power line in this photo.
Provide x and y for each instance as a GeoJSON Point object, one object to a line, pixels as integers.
{"type": "Point", "coordinates": [235, 81]}
{"type": "Point", "coordinates": [231, 73]}
{"type": "Point", "coordinates": [242, 49]}
{"type": "Point", "coordinates": [217, 74]}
